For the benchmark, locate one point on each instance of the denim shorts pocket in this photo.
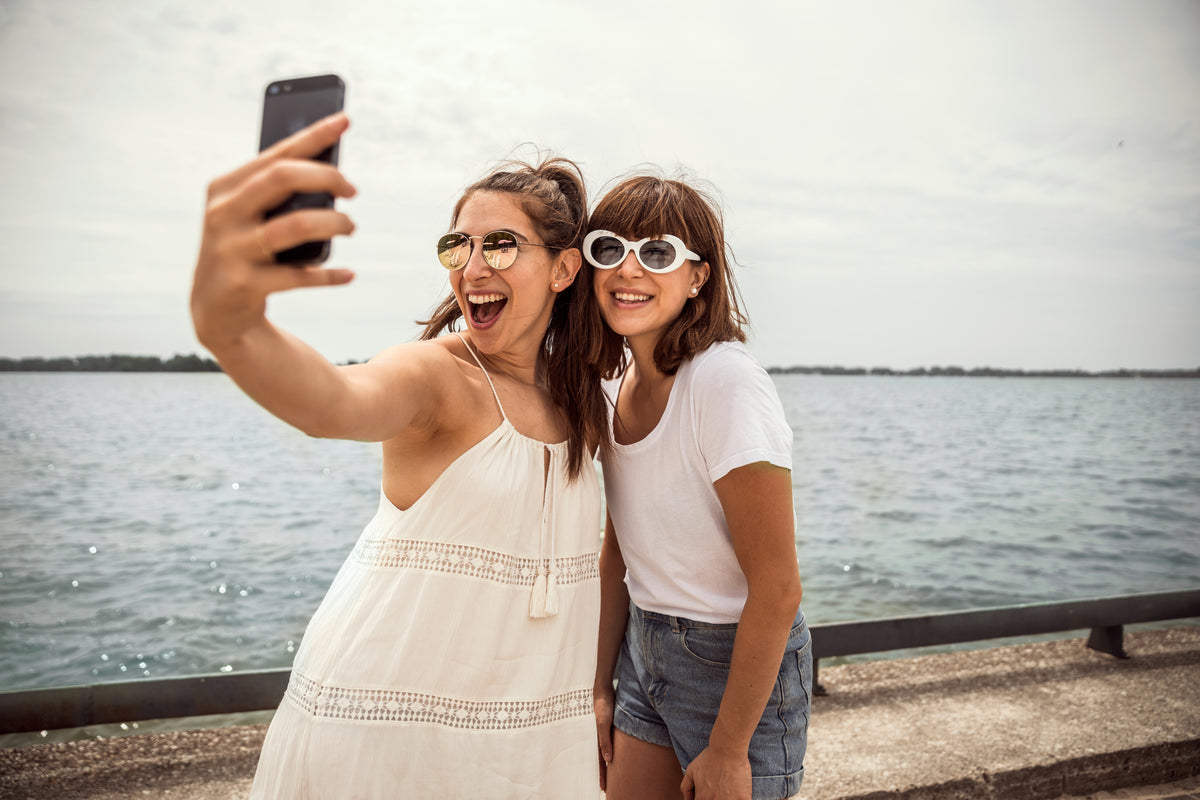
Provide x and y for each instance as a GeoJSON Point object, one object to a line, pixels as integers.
{"type": "Point", "coordinates": [711, 646]}
{"type": "Point", "coordinates": [800, 639]}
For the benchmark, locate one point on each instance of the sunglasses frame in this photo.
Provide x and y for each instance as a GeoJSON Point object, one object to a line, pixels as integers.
{"type": "Point", "coordinates": [682, 253]}
{"type": "Point", "coordinates": [487, 255]}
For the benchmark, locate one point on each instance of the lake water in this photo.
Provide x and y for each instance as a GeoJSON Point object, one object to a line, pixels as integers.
{"type": "Point", "coordinates": [156, 525]}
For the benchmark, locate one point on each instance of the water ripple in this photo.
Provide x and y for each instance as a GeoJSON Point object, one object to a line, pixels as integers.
{"type": "Point", "coordinates": [161, 525]}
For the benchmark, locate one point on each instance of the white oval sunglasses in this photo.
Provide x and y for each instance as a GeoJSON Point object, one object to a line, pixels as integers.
{"type": "Point", "coordinates": [606, 250]}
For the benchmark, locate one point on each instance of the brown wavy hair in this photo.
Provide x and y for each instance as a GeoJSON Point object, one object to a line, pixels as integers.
{"type": "Point", "coordinates": [553, 195]}
{"type": "Point", "coordinates": [648, 205]}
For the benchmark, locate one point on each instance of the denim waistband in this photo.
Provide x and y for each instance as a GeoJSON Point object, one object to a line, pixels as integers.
{"type": "Point", "coordinates": [683, 623]}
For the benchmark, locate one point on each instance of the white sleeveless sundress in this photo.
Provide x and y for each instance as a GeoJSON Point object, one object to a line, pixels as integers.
{"type": "Point", "coordinates": [455, 651]}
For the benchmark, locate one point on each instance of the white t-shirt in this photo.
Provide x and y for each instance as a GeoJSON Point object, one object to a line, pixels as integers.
{"type": "Point", "coordinates": [723, 413]}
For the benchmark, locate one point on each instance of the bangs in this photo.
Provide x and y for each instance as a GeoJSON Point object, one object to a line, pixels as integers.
{"type": "Point", "coordinates": [645, 207]}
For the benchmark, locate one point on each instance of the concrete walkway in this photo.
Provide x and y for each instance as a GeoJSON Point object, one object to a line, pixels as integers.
{"type": "Point", "coordinates": [1026, 722]}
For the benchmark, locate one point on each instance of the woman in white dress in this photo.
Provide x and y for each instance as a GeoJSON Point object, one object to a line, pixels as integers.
{"type": "Point", "coordinates": [454, 653]}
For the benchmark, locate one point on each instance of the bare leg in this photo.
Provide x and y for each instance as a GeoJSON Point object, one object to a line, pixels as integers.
{"type": "Point", "coordinates": [642, 771]}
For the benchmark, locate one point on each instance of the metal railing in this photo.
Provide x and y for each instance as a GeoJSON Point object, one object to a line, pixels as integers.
{"type": "Point", "coordinates": [1105, 617]}
{"type": "Point", "coordinates": [133, 701]}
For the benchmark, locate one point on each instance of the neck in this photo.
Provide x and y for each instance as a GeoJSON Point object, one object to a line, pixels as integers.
{"type": "Point", "coordinates": [642, 351]}
{"type": "Point", "coordinates": [524, 367]}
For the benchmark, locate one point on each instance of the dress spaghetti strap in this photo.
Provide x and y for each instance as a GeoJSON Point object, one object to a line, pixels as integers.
{"type": "Point", "coordinates": [496, 395]}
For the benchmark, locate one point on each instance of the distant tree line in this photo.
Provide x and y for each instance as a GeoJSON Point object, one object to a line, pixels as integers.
{"type": "Point", "coordinates": [195, 363]}
{"type": "Point", "coordinates": [990, 372]}
{"type": "Point", "coordinates": [113, 363]}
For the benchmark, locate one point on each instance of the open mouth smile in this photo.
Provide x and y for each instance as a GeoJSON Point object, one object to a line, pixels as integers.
{"type": "Point", "coordinates": [485, 308]}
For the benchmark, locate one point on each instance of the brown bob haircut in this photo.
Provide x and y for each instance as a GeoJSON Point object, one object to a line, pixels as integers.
{"type": "Point", "coordinates": [553, 195]}
{"type": "Point", "coordinates": [648, 205]}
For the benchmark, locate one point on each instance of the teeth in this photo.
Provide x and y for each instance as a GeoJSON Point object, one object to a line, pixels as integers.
{"type": "Point", "coordinates": [484, 298]}
{"type": "Point", "coordinates": [631, 298]}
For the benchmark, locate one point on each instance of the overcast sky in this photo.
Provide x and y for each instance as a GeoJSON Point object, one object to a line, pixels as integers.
{"type": "Point", "coordinates": [1013, 184]}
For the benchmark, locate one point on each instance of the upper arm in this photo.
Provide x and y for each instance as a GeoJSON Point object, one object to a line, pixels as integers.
{"type": "Point", "coordinates": [611, 560]}
{"type": "Point", "coordinates": [757, 502]}
{"type": "Point", "coordinates": [403, 386]}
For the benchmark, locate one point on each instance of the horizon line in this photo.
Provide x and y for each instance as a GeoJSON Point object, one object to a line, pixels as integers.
{"type": "Point", "coordinates": [124, 362]}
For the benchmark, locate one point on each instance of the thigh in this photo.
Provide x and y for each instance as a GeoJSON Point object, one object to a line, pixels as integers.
{"type": "Point", "coordinates": [642, 771]}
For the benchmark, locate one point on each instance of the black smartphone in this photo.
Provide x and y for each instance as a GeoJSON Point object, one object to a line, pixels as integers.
{"type": "Point", "coordinates": [288, 107]}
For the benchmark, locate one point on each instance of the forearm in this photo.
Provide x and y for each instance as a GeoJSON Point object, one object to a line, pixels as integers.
{"type": "Point", "coordinates": [614, 610]}
{"type": "Point", "coordinates": [757, 653]}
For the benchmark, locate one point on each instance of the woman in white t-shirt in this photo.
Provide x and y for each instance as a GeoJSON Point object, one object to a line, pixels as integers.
{"type": "Point", "coordinates": [701, 628]}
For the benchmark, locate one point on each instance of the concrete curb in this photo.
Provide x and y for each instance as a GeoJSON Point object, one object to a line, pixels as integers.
{"type": "Point", "coordinates": [1145, 766]}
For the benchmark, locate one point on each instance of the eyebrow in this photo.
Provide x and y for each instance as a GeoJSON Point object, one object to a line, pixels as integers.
{"type": "Point", "coordinates": [520, 236]}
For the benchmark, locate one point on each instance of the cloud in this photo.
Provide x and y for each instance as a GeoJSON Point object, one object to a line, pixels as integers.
{"type": "Point", "coordinates": [1040, 162]}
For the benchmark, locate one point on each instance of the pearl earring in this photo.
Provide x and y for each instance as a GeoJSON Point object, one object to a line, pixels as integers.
{"type": "Point", "coordinates": [695, 291]}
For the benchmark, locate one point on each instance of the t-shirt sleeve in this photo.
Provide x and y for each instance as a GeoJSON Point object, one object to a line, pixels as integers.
{"type": "Point", "coordinates": [739, 418]}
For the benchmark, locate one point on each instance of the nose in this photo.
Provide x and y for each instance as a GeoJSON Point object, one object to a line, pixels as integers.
{"type": "Point", "coordinates": [630, 266]}
{"type": "Point", "coordinates": [477, 268]}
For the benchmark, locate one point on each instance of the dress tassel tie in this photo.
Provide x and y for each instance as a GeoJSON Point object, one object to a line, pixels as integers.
{"type": "Point", "coordinates": [537, 598]}
{"type": "Point", "coordinates": [543, 600]}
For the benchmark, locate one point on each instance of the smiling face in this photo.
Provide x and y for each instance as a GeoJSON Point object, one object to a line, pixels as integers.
{"type": "Point", "coordinates": [639, 304]}
{"type": "Point", "coordinates": [507, 310]}
{"type": "Point", "coordinates": [636, 302]}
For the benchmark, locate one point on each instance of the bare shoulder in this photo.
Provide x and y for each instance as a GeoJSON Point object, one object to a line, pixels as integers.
{"type": "Point", "coordinates": [436, 374]}
{"type": "Point", "coordinates": [433, 363]}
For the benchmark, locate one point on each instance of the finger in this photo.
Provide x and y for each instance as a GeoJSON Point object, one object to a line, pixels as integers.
{"type": "Point", "coordinates": [282, 279]}
{"type": "Point", "coordinates": [604, 734]}
{"type": "Point", "coordinates": [688, 786]}
{"type": "Point", "coordinates": [603, 776]}
{"type": "Point", "coordinates": [307, 225]}
{"type": "Point", "coordinates": [305, 144]}
{"type": "Point", "coordinates": [270, 186]}
{"type": "Point", "coordinates": [310, 141]}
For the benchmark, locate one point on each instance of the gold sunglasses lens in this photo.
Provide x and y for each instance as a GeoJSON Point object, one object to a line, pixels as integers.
{"type": "Point", "coordinates": [453, 250]}
{"type": "Point", "coordinates": [499, 249]}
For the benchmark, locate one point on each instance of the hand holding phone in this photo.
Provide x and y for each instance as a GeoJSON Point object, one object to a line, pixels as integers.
{"type": "Point", "coordinates": [289, 106]}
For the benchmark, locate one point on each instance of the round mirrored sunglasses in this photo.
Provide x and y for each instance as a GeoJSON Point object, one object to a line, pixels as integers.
{"type": "Point", "coordinates": [499, 249]}
{"type": "Point", "coordinates": [606, 250]}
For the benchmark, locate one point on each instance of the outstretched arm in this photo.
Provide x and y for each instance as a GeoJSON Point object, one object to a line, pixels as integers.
{"type": "Point", "coordinates": [235, 272]}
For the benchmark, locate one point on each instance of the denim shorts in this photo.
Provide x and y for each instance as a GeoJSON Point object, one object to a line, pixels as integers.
{"type": "Point", "coordinates": [670, 680]}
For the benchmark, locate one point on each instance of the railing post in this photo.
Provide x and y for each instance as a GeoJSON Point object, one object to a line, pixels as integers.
{"type": "Point", "coordinates": [1109, 639]}
{"type": "Point", "coordinates": [818, 689]}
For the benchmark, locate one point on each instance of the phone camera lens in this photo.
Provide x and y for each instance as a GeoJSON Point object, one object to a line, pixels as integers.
{"type": "Point", "coordinates": [274, 90]}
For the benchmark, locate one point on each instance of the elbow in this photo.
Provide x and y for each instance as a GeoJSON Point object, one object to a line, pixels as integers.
{"type": "Point", "coordinates": [790, 596]}
{"type": "Point", "coordinates": [797, 596]}
{"type": "Point", "coordinates": [782, 597]}
{"type": "Point", "coordinates": [323, 427]}
{"type": "Point", "coordinates": [316, 428]}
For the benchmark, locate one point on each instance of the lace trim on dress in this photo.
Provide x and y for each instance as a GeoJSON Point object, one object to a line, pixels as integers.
{"type": "Point", "coordinates": [383, 705]}
{"type": "Point", "coordinates": [475, 562]}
